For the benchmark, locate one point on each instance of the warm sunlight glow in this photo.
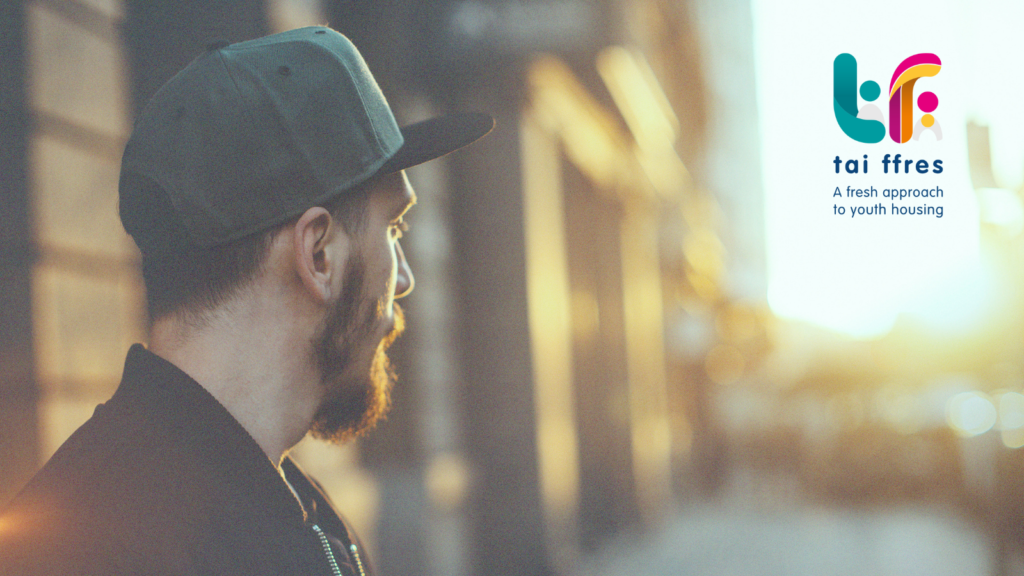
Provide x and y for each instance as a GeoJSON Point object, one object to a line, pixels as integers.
{"type": "Point", "coordinates": [1013, 438]}
{"type": "Point", "coordinates": [588, 133]}
{"type": "Point", "coordinates": [1002, 208]}
{"type": "Point", "coordinates": [1011, 410]}
{"type": "Point", "coordinates": [971, 413]}
{"type": "Point", "coordinates": [5, 525]}
{"type": "Point", "coordinates": [643, 104]}
{"type": "Point", "coordinates": [965, 297]}
{"type": "Point", "coordinates": [549, 295]}
{"type": "Point", "coordinates": [724, 364]}
{"type": "Point", "coordinates": [639, 96]}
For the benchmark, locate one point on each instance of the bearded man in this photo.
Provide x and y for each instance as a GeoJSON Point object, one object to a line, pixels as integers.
{"type": "Point", "coordinates": [264, 186]}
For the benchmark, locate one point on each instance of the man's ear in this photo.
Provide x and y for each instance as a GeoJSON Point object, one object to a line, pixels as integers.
{"type": "Point", "coordinates": [321, 249]}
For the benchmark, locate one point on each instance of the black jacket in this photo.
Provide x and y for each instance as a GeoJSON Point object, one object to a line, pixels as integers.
{"type": "Point", "coordinates": [162, 480]}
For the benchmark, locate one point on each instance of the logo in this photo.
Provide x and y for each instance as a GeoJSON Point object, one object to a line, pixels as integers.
{"type": "Point", "coordinates": [867, 123]}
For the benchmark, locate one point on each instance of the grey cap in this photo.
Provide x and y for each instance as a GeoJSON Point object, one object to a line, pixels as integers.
{"type": "Point", "coordinates": [251, 134]}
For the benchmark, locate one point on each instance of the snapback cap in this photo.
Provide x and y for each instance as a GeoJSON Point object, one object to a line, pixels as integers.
{"type": "Point", "coordinates": [251, 134]}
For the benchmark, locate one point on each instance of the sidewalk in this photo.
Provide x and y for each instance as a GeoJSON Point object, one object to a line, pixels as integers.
{"type": "Point", "coordinates": [735, 538]}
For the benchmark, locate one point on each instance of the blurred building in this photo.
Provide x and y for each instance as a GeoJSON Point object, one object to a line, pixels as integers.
{"type": "Point", "coordinates": [586, 273]}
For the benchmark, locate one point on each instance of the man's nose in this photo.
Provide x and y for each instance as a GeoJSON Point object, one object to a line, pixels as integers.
{"type": "Point", "coordinates": [404, 281]}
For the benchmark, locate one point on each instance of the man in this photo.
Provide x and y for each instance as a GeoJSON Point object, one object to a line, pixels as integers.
{"type": "Point", "coordinates": [264, 186]}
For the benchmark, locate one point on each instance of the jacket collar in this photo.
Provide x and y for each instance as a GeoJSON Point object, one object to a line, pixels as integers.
{"type": "Point", "coordinates": [201, 433]}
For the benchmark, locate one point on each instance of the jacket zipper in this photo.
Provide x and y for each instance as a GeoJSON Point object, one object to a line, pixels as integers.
{"type": "Point", "coordinates": [335, 571]}
{"type": "Point", "coordinates": [359, 562]}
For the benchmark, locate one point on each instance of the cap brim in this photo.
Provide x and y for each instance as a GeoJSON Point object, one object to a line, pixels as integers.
{"type": "Point", "coordinates": [431, 139]}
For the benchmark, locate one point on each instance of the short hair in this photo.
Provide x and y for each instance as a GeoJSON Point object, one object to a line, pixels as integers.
{"type": "Point", "coordinates": [183, 277]}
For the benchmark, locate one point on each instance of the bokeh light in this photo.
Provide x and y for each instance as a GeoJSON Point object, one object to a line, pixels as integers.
{"type": "Point", "coordinates": [971, 413]}
{"type": "Point", "coordinates": [1011, 410]}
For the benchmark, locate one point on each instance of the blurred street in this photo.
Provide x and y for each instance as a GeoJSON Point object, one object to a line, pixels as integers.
{"type": "Point", "coordinates": [745, 535]}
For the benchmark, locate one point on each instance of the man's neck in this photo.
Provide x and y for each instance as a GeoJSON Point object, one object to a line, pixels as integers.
{"type": "Point", "coordinates": [250, 363]}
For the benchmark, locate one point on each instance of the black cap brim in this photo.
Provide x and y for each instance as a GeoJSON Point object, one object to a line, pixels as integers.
{"type": "Point", "coordinates": [432, 139]}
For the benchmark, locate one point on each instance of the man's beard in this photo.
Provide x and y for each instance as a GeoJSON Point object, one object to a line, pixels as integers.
{"type": "Point", "coordinates": [356, 397]}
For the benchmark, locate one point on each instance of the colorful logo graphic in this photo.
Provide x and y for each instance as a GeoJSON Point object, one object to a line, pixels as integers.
{"type": "Point", "coordinates": [867, 124]}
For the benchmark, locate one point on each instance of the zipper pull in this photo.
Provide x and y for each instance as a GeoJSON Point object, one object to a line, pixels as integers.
{"type": "Point", "coordinates": [359, 562]}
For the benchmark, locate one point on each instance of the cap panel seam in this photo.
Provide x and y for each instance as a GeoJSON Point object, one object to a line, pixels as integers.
{"type": "Point", "coordinates": [246, 112]}
{"type": "Point", "coordinates": [296, 153]}
{"type": "Point", "coordinates": [362, 106]}
{"type": "Point", "coordinates": [304, 152]}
